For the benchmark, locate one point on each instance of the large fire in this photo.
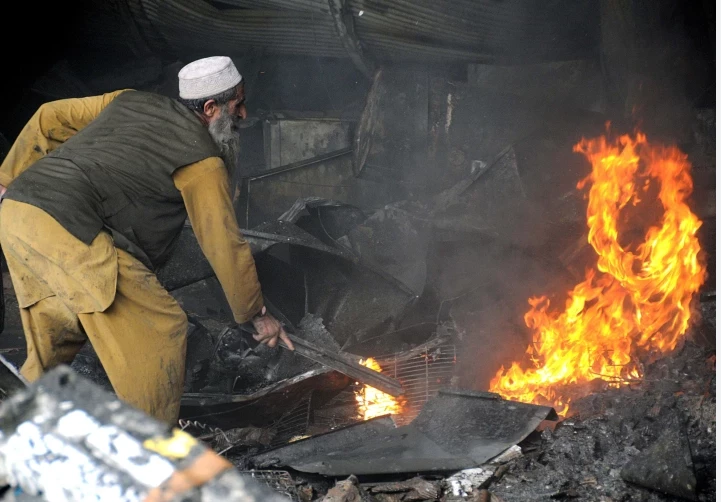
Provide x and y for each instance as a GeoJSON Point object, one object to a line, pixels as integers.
{"type": "Point", "coordinates": [372, 402]}
{"type": "Point", "coordinates": [636, 303]}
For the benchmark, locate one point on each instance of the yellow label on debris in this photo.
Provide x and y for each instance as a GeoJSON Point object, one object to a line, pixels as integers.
{"type": "Point", "coordinates": [177, 446]}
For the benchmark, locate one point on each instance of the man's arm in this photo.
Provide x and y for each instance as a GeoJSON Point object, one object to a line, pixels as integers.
{"type": "Point", "coordinates": [205, 190]}
{"type": "Point", "coordinates": [48, 128]}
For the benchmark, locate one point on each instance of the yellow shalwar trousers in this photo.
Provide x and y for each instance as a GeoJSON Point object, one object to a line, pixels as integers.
{"type": "Point", "coordinates": [70, 293]}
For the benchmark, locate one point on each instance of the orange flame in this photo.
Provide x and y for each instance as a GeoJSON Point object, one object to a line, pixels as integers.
{"type": "Point", "coordinates": [637, 301]}
{"type": "Point", "coordinates": [372, 402]}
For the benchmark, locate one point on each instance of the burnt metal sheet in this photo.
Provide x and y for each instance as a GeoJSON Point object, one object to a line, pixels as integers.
{"type": "Point", "coordinates": [394, 242]}
{"type": "Point", "coordinates": [178, 25]}
{"type": "Point", "coordinates": [507, 32]}
{"type": "Point", "coordinates": [328, 220]}
{"type": "Point", "coordinates": [355, 302]}
{"type": "Point", "coordinates": [298, 451]}
{"type": "Point", "coordinates": [478, 30]}
{"type": "Point", "coordinates": [268, 234]}
{"type": "Point", "coordinates": [392, 138]}
{"type": "Point", "coordinates": [355, 298]}
{"type": "Point", "coordinates": [262, 407]}
{"type": "Point", "coordinates": [455, 430]}
{"type": "Point", "coordinates": [365, 130]}
{"type": "Point", "coordinates": [318, 207]}
{"type": "Point", "coordinates": [187, 263]}
{"type": "Point", "coordinates": [216, 398]}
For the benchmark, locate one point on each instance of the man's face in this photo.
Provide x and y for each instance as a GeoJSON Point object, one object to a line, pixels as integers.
{"type": "Point", "coordinates": [223, 128]}
{"type": "Point", "coordinates": [236, 106]}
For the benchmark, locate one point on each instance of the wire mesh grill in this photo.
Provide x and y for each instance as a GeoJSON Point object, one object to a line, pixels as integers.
{"type": "Point", "coordinates": [422, 376]}
{"type": "Point", "coordinates": [278, 481]}
{"type": "Point", "coordinates": [293, 424]}
{"type": "Point", "coordinates": [340, 411]}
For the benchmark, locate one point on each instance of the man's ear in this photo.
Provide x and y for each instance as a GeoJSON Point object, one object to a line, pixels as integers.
{"type": "Point", "coordinates": [210, 107]}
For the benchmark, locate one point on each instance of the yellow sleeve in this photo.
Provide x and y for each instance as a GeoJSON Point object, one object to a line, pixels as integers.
{"type": "Point", "coordinates": [205, 190]}
{"type": "Point", "coordinates": [52, 124]}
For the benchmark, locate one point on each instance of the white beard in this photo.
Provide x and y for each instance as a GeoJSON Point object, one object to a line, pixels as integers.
{"type": "Point", "coordinates": [225, 135]}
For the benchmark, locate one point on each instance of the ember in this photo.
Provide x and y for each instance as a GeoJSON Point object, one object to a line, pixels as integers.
{"type": "Point", "coordinates": [372, 402]}
{"type": "Point", "coordinates": [636, 303]}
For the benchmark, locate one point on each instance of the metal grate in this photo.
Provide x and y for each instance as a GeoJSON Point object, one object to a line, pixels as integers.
{"type": "Point", "coordinates": [340, 411]}
{"type": "Point", "coordinates": [278, 481]}
{"type": "Point", "coordinates": [422, 376]}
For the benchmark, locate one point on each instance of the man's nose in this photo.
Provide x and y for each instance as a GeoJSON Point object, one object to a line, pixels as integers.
{"type": "Point", "coordinates": [242, 112]}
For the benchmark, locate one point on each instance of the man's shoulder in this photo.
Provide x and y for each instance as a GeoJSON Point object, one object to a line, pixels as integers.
{"type": "Point", "coordinates": [154, 105]}
{"type": "Point", "coordinates": [137, 95]}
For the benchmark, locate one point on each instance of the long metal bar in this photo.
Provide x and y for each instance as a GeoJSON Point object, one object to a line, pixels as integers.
{"type": "Point", "coordinates": [301, 163]}
{"type": "Point", "coordinates": [342, 363]}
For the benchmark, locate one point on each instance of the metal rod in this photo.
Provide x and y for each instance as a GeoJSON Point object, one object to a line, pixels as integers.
{"type": "Point", "coordinates": [341, 363]}
{"type": "Point", "coordinates": [302, 163]}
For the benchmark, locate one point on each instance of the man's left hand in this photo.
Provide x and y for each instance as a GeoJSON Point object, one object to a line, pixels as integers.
{"type": "Point", "coordinates": [269, 330]}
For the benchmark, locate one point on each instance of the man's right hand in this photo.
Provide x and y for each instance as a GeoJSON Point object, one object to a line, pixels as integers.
{"type": "Point", "coordinates": [269, 330]}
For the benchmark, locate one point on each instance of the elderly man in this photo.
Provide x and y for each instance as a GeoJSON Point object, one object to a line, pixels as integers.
{"type": "Point", "coordinates": [98, 190]}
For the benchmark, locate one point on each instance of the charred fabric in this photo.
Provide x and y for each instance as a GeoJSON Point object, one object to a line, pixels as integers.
{"type": "Point", "coordinates": [401, 249]}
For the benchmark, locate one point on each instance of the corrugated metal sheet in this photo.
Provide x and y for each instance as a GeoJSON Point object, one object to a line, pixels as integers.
{"type": "Point", "coordinates": [479, 29]}
{"type": "Point", "coordinates": [510, 31]}
{"type": "Point", "coordinates": [198, 27]}
{"type": "Point", "coordinates": [316, 5]}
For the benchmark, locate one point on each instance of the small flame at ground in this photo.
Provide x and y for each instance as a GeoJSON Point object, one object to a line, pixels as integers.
{"type": "Point", "coordinates": [372, 402]}
{"type": "Point", "coordinates": [637, 301]}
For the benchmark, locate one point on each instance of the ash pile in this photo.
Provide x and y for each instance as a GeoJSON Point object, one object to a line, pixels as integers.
{"type": "Point", "coordinates": [652, 441]}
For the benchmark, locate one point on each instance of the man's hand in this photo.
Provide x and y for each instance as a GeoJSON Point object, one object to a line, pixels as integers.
{"type": "Point", "coordinates": [2, 192]}
{"type": "Point", "coordinates": [269, 330]}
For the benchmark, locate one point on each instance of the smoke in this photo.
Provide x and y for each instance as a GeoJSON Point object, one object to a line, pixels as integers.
{"type": "Point", "coordinates": [487, 284]}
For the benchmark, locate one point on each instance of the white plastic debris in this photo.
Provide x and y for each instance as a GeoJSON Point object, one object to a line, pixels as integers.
{"type": "Point", "coordinates": [462, 483]}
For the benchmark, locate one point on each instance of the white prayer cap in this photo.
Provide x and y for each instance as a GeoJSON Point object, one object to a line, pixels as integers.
{"type": "Point", "coordinates": [207, 77]}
